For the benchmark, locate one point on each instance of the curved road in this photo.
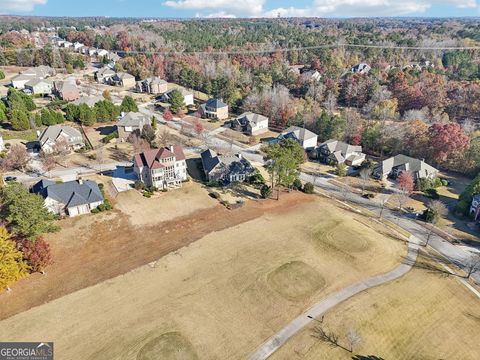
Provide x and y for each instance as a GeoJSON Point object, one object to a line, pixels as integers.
{"type": "Point", "coordinates": [280, 338]}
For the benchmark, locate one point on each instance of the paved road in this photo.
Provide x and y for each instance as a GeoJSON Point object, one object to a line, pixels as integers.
{"type": "Point", "coordinates": [280, 338]}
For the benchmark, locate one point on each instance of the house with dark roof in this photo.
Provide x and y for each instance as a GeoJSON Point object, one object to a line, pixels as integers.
{"type": "Point", "coordinates": [361, 68]}
{"type": "Point", "coordinates": [70, 198]}
{"type": "Point", "coordinates": [475, 207]}
{"type": "Point", "coordinates": [214, 109]}
{"type": "Point", "coordinates": [123, 79]}
{"type": "Point", "coordinates": [55, 134]}
{"type": "Point", "coordinates": [226, 168]}
{"type": "Point", "coordinates": [104, 75]}
{"type": "Point", "coordinates": [250, 123]}
{"type": "Point", "coordinates": [129, 123]}
{"type": "Point", "coordinates": [162, 168]}
{"type": "Point", "coordinates": [394, 165]}
{"type": "Point", "coordinates": [304, 137]}
{"type": "Point", "coordinates": [336, 152]}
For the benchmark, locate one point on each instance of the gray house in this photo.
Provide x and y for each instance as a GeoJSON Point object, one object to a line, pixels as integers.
{"type": "Point", "coordinates": [393, 166]}
{"type": "Point", "coordinates": [52, 135]}
{"type": "Point", "coordinates": [38, 86]}
{"type": "Point", "coordinates": [250, 123]}
{"type": "Point", "coordinates": [152, 85]}
{"type": "Point", "coordinates": [337, 152]}
{"type": "Point", "coordinates": [70, 198]}
{"type": "Point", "coordinates": [129, 123]}
{"type": "Point", "coordinates": [226, 168]}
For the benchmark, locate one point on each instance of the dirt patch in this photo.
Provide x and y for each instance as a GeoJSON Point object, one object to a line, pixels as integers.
{"type": "Point", "coordinates": [295, 280]}
{"type": "Point", "coordinates": [170, 346]}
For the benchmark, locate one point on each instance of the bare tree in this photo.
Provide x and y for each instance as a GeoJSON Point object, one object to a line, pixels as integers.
{"type": "Point", "coordinates": [49, 161]}
{"type": "Point", "coordinates": [326, 336]}
{"type": "Point", "coordinates": [382, 199]}
{"type": "Point", "coordinates": [18, 157]}
{"type": "Point", "coordinates": [345, 190]}
{"type": "Point", "coordinates": [353, 339]}
{"type": "Point", "coordinates": [100, 156]}
{"type": "Point", "coordinates": [139, 144]}
{"type": "Point", "coordinates": [365, 177]}
{"type": "Point", "coordinates": [163, 137]}
{"type": "Point", "coordinates": [61, 149]}
{"type": "Point", "coordinates": [472, 266]}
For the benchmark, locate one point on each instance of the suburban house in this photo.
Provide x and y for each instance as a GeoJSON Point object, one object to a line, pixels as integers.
{"type": "Point", "coordinates": [475, 207]}
{"type": "Point", "coordinates": [393, 166]}
{"type": "Point", "coordinates": [311, 75]}
{"type": "Point", "coordinates": [113, 57]}
{"type": "Point", "coordinates": [101, 53]}
{"type": "Point", "coordinates": [38, 86]}
{"type": "Point", "coordinates": [60, 133]}
{"type": "Point", "coordinates": [39, 72]}
{"type": "Point", "coordinates": [162, 168]}
{"type": "Point", "coordinates": [67, 90]}
{"type": "Point", "coordinates": [214, 109]}
{"type": "Point", "coordinates": [335, 152]}
{"type": "Point", "coordinates": [104, 75]}
{"type": "Point", "coordinates": [123, 79]}
{"type": "Point", "coordinates": [152, 85]}
{"type": "Point", "coordinates": [130, 122]}
{"type": "Point", "coordinates": [305, 137]}
{"type": "Point", "coordinates": [77, 46]}
{"type": "Point", "coordinates": [70, 198]}
{"type": "Point", "coordinates": [361, 68]}
{"type": "Point", "coordinates": [89, 100]}
{"type": "Point", "coordinates": [187, 96]}
{"type": "Point", "coordinates": [250, 123]}
{"type": "Point", "coordinates": [226, 168]}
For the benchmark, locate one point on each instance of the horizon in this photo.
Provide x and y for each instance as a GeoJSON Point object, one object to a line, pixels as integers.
{"type": "Point", "coordinates": [193, 9]}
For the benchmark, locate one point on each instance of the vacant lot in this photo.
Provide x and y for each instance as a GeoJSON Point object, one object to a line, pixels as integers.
{"type": "Point", "coordinates": [163, 206]}
{"type": "Point", "coordinates": [423, 315]}
{"type": "Point", "coordinates": [223, 295]}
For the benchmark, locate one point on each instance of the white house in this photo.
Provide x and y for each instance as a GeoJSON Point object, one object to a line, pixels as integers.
{"type": "Point", "coordinates": [251, 123]}
{"type": "Point", "coordinates": [55, 134]}
{"type": "Point", "coordinates": [305, 137]}
{"type": "Point", "coordinates": [187, 96]}
{"type": "Point", "coordinates": [70, 198]}
{"type": "Point", "coordinates": [162, 168]}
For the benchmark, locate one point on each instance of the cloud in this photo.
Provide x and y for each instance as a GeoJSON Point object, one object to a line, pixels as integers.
{"type": "Point", "coordinates": [216, 15]}
{"type": "Point", "coordinates": [9, 6]}
{"type": "Point", "coordinates": [360, 8]}
{"type": "Point", "coordinates": [228, 7]}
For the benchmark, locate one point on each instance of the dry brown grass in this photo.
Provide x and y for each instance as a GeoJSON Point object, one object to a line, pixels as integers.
{"type": "Point", "coordinates": [423, 315]}
{"type": "Point", "coordinates": [166, 206]}
{"type": "Point", "coordinates": [217, 294]}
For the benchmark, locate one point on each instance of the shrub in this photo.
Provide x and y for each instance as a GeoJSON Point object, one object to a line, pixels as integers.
{"type": "Point", "coordinates": [297, 184]}
{"type": "Point", "coordinates": [256, 179]}
{"type": "Point", "coordinates": [110, 137]}
{"type": "Point", "coordinates": [213, 183]}
{"type": "Point", "coordinates": [431, 193]}
{"type": "Point", "coordinates": [368, 196]}
{"type": "Point", "coordinates": [429, 215]}
{"type": "Point", "coordinates": [265, 191]}
{"type": "Point", "coordinates": [341, 170]}
{"type": "Point", "coordinates": [36, 253]}
{"type": "Point", "coordinates": [444, 182]}
{"type": "Point", "coordinates": [308, 188]}
{"type": "Point", "coordinates": [139, 185]}
{"type": "Point", "coordinates": [214, 195]}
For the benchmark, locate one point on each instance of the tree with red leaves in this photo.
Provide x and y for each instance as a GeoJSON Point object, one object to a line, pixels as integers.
{"type": "Point", "coordinates": [446, 140]}
{"type": "Point", "coordinates": [198, 127]}
{"type": "Point", "coordinates": [167, 115]}
{"type": "Point", "coordinates": [36, 253]}
{"type": "Point", "coordinates": [405, 182]}
{"type": "Point", "coordinates": [356, 139]}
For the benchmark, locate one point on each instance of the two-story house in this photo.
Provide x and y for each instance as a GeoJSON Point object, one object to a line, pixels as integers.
{"type": "Point", "coordinates": [250, 123]}
{"type": "Point", "coordinates": [304, 137]}
{"type": "Point", "coordinates": [162, 168]}
{"type": "Point", "coordinates": [214, 109]}
{"type": "Point", "coordinates": [55, 134]}
{"type": "Point", "coordinates": [226, 168]}
{"type": "Point", "coordinates": [336, 152]}
{"type": "Point", "coordinates": [129, 123]}
{"type": "Point", "coordinates": [152, 85]}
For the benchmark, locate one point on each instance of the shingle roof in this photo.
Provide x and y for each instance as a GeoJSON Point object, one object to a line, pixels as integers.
{"type": "Point", "coordinates": [414, 165]}
{"type": "Point", "coordinates": [89, 100]}
{"type": "Point", "coordinates": [71, 193]}
{"type": "Point", "coordinates": [134, 119]}
{"type": "Point", "coordinates": [209, 160]}
{"type": "Point", "coordinates": [344, 148]}
{"type": "Point", "coordinates": [53, 132]}
{"type": "Point", "coordinates": [232, 163]}
{"type": "Point", "coordinates": [215, 103]}
{"type": "Point", "coordinates": [299, 133]}
{"type": "Point", "coordinates": [150, 158]}
{"type": "Point", "coordinates": [251, 118]}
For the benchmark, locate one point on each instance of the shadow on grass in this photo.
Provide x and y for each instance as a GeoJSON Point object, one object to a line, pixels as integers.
{"type": "Point", "coordinates": [367, 357]}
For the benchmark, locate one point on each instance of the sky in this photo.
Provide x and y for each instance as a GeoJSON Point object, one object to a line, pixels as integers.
{"type": "Point", "coordinates": [241, 8]}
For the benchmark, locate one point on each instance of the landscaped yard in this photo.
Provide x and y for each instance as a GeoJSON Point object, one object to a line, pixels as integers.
{"type": "Point", "coordinates": [423, 315]}
{"type": "Point", "coordinates": [218, 298]}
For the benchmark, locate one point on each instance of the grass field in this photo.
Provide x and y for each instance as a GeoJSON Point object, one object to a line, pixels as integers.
{"type": "Point", "coordinates": [220, 297]}
{"type": "Point", "coordinates": [423, 315]}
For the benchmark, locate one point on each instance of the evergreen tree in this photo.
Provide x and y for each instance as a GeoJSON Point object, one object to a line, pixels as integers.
{"type": "Point", "coordinates": [19, 119]}
{"type": "Point", "coordinates": [176, 101]}
{"type": "Point", "coordinates": [128, 104]}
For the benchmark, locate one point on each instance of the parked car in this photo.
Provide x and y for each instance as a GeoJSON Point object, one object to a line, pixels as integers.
{"type": "Point", "coordinates": [10, 178]}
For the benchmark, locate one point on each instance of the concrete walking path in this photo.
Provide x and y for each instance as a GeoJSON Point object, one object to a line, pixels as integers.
{"type": "Point", "coordinates": [280, 338]}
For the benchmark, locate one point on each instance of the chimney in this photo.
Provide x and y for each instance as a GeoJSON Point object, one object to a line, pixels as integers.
{"type": "Point", "coordinates": [171, 148]}
{"type": "Point", "coordinates": [80, 181]}
{"type": "Point", "coordinates": [239, 155]}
